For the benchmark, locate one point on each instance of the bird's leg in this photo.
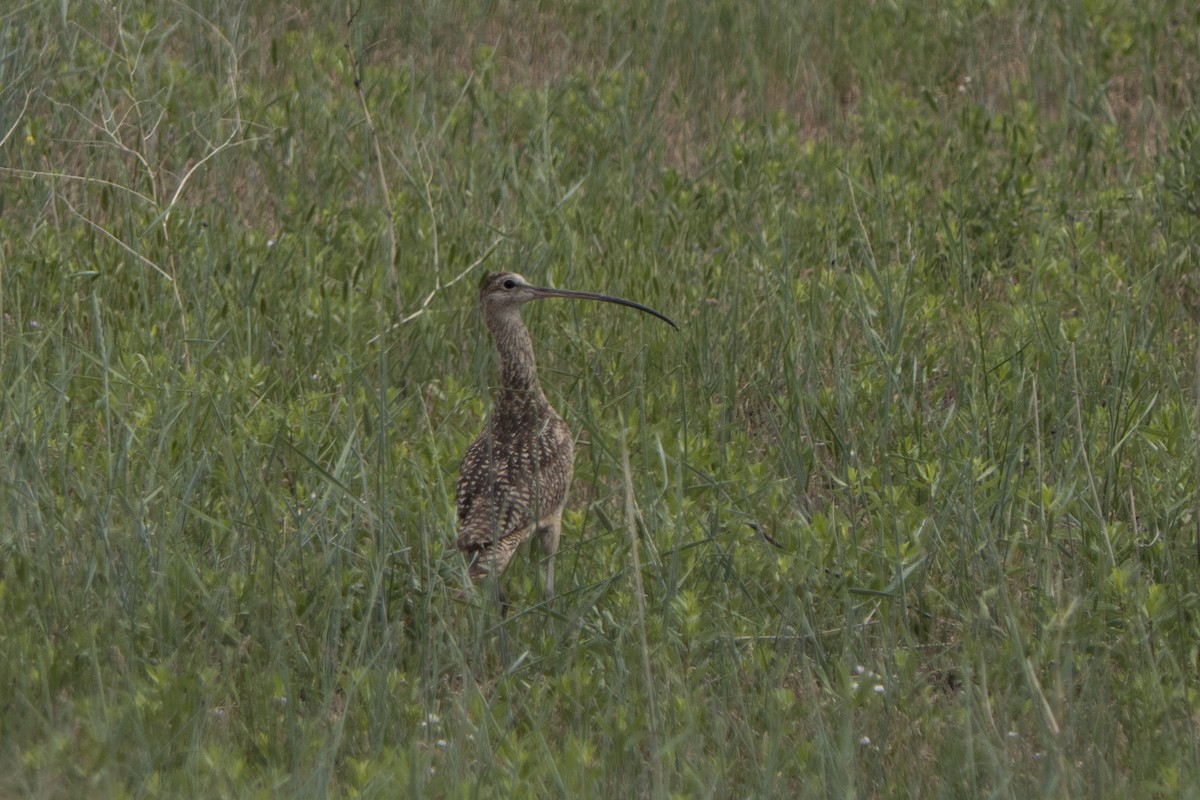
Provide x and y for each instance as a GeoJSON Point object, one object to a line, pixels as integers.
{"type": "Point", "coordinates": [548, 533]}
{"type": "Point", "coordinates": [503, 601]}
{"type": "Point", "coordinates": [491, 583]}
{"type": "Point", "coordinates": [501, 633]}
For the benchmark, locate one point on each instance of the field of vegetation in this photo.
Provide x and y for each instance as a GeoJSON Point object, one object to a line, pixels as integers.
{"type": "Point", "coordinates": [911, 494]}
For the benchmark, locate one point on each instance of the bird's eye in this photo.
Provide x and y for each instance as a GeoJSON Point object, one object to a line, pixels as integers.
{"type": "Point", "coordinates": [510, 284]}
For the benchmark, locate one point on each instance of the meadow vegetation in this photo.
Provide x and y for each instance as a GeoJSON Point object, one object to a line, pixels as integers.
{"type": "Point", "coordinates": [913, 490]}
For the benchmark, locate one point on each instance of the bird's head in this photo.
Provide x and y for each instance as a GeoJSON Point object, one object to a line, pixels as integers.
{"type": "Point", "coordinates": [501, 293]}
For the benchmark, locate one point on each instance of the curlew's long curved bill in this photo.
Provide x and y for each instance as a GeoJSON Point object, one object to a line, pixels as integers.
{"type": "Point", "coordinates": [544, 291]}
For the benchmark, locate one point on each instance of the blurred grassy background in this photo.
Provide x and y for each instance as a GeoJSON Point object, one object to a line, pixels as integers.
{"type": "Point", "coordinates": [915, 485]}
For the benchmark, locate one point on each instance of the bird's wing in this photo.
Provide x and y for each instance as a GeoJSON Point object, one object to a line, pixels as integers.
{"type": "Point", "coordinates": [490, 503]}
{"type": "Point", "coordinates": [507, 483]}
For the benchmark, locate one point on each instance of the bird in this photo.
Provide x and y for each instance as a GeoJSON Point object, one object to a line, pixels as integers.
{"type": "Point", "coordinates": [514, 479]}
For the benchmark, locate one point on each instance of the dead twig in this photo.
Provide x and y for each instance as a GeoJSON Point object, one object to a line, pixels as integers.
{"type": "Point", "coordinates": [377, 150]}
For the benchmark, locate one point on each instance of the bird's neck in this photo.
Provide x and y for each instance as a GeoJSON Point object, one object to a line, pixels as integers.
{"type": "Point", "coordinates": [518, 367]}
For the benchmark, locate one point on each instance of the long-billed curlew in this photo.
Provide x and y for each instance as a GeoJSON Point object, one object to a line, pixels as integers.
{"type": "Point", "coordinates": [516, 474]}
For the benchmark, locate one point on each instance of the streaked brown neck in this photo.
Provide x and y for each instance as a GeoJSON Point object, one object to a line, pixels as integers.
{"type": "Point", "coordinates": [518, 367]}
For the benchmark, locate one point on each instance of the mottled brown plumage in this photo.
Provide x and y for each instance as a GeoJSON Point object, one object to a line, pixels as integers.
{"type": "Point", "coordinates": [516, 474]}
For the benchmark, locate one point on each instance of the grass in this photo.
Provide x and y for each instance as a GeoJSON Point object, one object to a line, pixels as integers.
{"type": "Point", "coordinates": [907, 508]}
